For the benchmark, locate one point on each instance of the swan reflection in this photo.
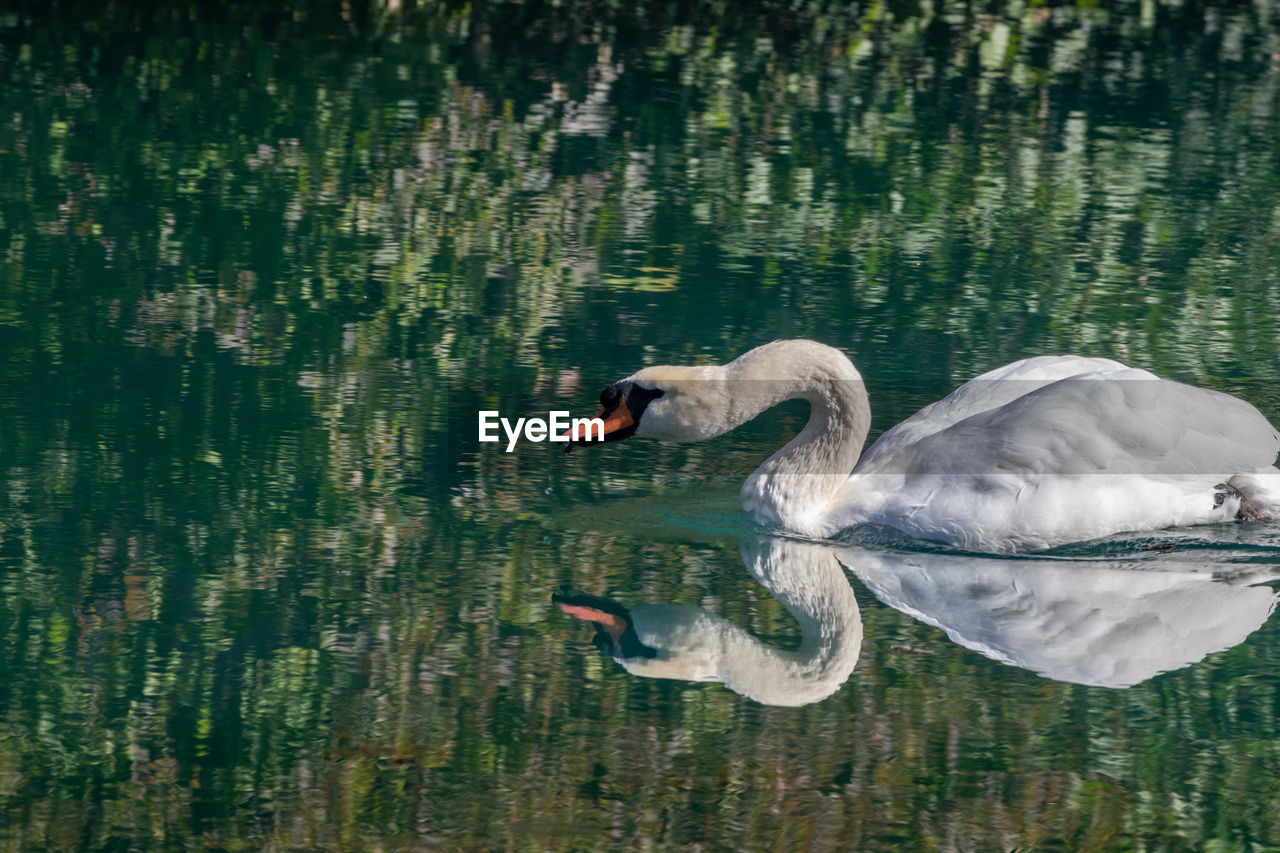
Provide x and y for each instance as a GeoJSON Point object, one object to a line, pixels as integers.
{"type": "Point", "coordinates": [689, 643]}
{"type": "Point", "coordinates": [1093, 623]}
{"type": "Point", "coordinates": [1098, 623]}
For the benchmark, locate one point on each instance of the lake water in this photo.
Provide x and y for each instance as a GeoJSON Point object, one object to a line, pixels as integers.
{"type": "Point", "coordinates": [262, 588]}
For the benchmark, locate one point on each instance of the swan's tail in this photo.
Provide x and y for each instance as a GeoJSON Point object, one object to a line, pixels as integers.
{"type": "Point", "coordinates": [1260, 494]}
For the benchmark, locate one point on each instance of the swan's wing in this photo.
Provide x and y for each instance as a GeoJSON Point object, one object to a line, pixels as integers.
{"type": "Point", "coordinates": [992, 390]}
{"type": "Point", "coordinates": [1044, 369]}
{"type": "Point", "coordinates": [1129, 423]}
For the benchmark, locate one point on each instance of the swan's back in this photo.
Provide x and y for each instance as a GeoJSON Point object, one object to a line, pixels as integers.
{"type": "Point", "coordinates": [991, 390]}
{"type": "Point", "coordinates": [1069, 415]}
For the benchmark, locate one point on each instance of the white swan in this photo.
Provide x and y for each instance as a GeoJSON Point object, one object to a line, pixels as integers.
{"type": "Point", "coordinates": [1031, 455]}
{"type": "Point", "coordinates": [689, 643]}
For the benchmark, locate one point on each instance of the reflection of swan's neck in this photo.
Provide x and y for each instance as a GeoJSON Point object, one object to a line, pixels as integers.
{"type": "Point", "coordinates": [795, 486]}
{"type": "Point", "coordinates": [808, 581]}
{"type": "Point", "coordinates": [811, 584]}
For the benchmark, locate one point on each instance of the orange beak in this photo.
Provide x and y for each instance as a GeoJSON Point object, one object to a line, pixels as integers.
{"type": "Point", "coordinates": [615, 418]}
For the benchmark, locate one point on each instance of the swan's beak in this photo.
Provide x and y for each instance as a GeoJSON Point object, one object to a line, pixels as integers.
{"type": "Point", "coordinates": [616, 417]}
{"type": "Point", "coordinates": [616, 420]}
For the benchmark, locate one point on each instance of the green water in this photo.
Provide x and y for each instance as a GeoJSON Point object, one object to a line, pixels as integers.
{"type": "Point", "coordinates": [261, 588]}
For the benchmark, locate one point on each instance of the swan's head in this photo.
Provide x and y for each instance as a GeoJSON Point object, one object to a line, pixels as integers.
{"type": "Point", "coordinates": [694, 403]}
{"type": "Point", "coordinates": [666, 403]}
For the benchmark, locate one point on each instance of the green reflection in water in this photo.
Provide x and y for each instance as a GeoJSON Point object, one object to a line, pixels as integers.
{"type": "Point", "coordinates": [261, 588]}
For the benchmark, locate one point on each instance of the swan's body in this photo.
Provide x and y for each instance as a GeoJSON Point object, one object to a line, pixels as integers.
{"type": "Point", "coordinates": [1035, 454]}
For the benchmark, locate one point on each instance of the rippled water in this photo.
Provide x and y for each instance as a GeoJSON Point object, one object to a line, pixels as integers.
{"type": "Point", "coordinates": [262, 588]}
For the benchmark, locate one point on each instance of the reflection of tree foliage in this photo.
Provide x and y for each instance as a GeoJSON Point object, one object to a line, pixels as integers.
{"type": "Point", "coordinates": [262, 264]}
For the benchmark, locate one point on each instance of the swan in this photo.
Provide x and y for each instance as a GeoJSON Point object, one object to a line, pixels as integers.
{"type": "Point", "coordinates": [688, 643]}
{"type": "Point", "coordinates": [1026, 457]}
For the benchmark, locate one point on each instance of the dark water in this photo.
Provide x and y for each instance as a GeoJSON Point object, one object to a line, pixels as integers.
{"type": "Point", "coordinates": [261, 588]}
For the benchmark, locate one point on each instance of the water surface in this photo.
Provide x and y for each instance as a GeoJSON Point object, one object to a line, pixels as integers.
{"type": "Point", "coordinates": [261, 588]}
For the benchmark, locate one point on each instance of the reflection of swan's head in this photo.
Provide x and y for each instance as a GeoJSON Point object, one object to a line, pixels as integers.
{"type": "Point", "coordinates": [615, 629]}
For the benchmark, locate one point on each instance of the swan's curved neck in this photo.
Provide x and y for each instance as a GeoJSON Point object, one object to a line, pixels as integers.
{"type": "Point", "coordinates": [795, 487]}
